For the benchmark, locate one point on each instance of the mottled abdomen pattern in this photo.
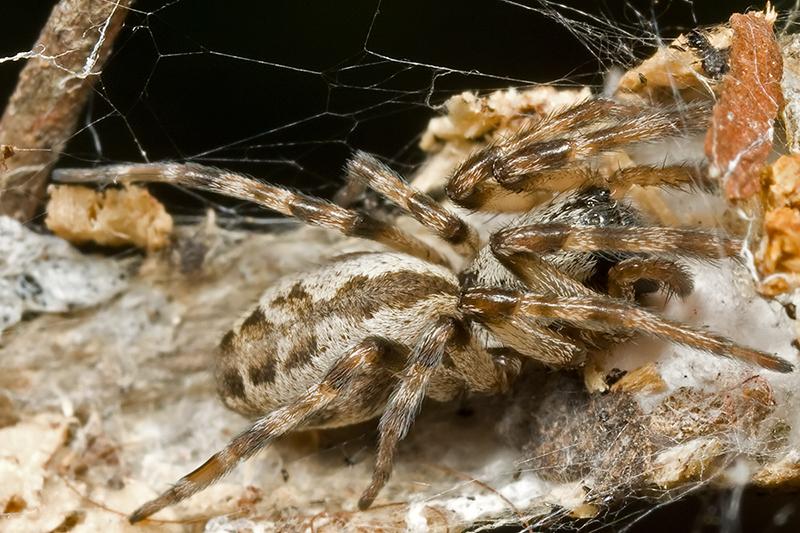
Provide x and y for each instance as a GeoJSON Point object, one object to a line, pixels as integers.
{"type": "Point", "coordinates": [304, 323]}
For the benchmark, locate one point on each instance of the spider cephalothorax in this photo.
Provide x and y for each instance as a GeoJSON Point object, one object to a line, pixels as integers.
{"type": "Point", "coordinates": [372, 334]}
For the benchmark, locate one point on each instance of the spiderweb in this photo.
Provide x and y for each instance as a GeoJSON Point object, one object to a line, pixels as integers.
{"type": "Point", "coordinates": [287, 93]}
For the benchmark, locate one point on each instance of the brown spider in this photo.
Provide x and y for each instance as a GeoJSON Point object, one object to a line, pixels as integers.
{"type": "Point", "coordinates": [371, 334]}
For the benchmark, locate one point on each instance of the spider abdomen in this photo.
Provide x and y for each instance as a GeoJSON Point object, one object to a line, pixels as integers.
{"type": "Point", "coordinates": [303, 324]}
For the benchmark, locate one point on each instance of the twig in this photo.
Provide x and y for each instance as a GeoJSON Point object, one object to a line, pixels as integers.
{"type": "Point", "coordinates": [50, 95]}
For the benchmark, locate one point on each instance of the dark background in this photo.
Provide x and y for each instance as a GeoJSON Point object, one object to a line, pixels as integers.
{"type": "Point", "coordinates": [201, 79]}
{"type": "Point", "coordinates": [285, 90]}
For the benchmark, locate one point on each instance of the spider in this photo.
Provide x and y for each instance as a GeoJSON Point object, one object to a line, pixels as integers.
{"type": "Point", "coordinates": [371, 334]}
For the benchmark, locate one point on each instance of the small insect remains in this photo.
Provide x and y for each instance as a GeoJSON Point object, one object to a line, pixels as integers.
{"type": "Point", "coordinates": [372, 334]}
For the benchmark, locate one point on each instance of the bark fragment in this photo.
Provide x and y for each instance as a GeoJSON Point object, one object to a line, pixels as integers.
{"type": "Point", "coordinates": [50, 95]}
{"type": "Point", "coordinates": [740, 137]}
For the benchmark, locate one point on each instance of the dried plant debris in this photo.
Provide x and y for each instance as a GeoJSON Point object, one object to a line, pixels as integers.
{"type": "Point", "coordinates": [696, 460]}
{"type": "Point", "coordinates": [472, 121]}
{"type": "Point", "coordinates": [740, 137]}
{"type": "Point", "coordinates": [6, 153]}
{"type": "Point", "coordinates": [473, 118]}
{"type": "Point", "coordinates": [690, 67]}
{"type": "Point", "coordinates": [790, 85]}
{"type": "Point", "coordinates": [690, 413]}
{"type": "Point", "coordinates": [569, 435]}
{"type": "Point", "coordinates": [778, 255]}
{"type": "Point", "coordinates": [644, 380]}
{"type": "Point", "coordinates": [111, 217]}
{"type": "Point", "coordinates": [701, 432]}
{"type": "Point", "coordinates": [784, 473]}
{"type": "Point", "coordinates": [616, 450]}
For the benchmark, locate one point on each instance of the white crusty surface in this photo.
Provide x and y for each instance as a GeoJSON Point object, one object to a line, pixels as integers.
{"type": "Point", "coordinates": [121, 402]}
{"type": "Point", "coordinates": [42, 273]}
{"type": "Point", "coordinates": [146, 412]}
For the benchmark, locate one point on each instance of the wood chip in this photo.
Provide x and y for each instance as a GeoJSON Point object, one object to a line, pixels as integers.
{"type": "Point", "coordinates": [114, 217]}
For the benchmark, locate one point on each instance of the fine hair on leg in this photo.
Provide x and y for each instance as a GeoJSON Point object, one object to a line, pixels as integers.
{"type": "Point", "coordinates": [366, 354]}
{"type": "Point", "coordinates": [605, 314]}
{"type": "Point", "coordinates": [308, 209]}
{"type": "Point", "coordinates": [368, 170]}
{"type": "Point", "coordinates": [405, 402]}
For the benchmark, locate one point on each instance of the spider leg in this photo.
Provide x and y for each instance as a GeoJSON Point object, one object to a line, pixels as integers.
{"type": "Point", "coordinates": [669, 277]}
{"type": "Point", "coordinates": [471, 180]}
{"type": "Point", "coordinates": [597, 312]}
{"type": "Point", "coordinates": [580, 115]}
{"type": "Point", "coordinates": [520, 249]}
{"type": "Point", "coordinates": [405, 402]}
{"type": "Point", "coordinates": [557, 297]}
{"type": "Point", "coordinates": [363, 356]}
{"type": "Point", "coordinates": [366, 169]}
{"type": "Point", "coordinates": [308, 209]}
{"type": "Point", "coordinates": [491, 196]}
{"type": "Point", "coordinates": [530, 339]}
{"type": "Point", "coordinates": [482, 370]}
{"type": "Point", "coordinates": [523, 159]}
{"type": "Point", "coordinates": [571, 178]}
{"type": "Point", "coordinates": [670, 242]}
{"type": "Point", "coordinates": [525, 334]}
{"type": "Point", "coordinates": [675, 176]}
{"type": "Point", "coordinates": [522, 162]}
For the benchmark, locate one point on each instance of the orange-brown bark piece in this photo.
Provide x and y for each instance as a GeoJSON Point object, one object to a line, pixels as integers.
{"type": "Point", "coordinates": [740, 137]}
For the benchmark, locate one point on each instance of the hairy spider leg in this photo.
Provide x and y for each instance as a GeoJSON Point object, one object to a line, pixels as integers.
{"type": "Point", "coordinates": [308, 209]}
{"type": "Point", "coordinates": [605, 314]}
{"type": "Point", "coordinates": [405, 402]}
{"type": "Point", "coordinates": [555, 296]}
{"type": "Point", "coordinates": [523, 159]}
{"type": "Point", "coordinates": [670, 277]}
{"type": "Point", "coordinates": [363, 356]}
{"type": "Point", "coordinates": [657, 240]}
{"type": "Point", "coordinates": [543, 157]}
{"type": "Point", "coordinates": [674, 243]}
{"type": "Point", "coordinates": [366, 169]}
